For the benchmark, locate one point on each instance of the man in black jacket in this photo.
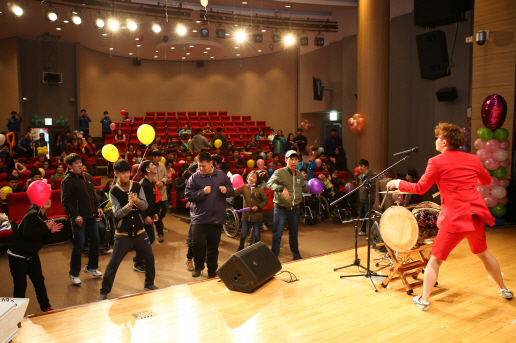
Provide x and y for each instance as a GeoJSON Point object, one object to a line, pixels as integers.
{"type": "Point", "coordinates": [222, 138]}
{"type": "Point", "coordinates": [300, 140]}
{"type": "Point", "coordinates": [83, 208]}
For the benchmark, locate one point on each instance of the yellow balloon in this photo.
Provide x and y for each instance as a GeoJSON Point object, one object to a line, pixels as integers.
{"type": "Point", "coordinates": [83, 150]}
{"type": "Point", "coordinates": [42, 171]}
{"type": "Point", "coordinates": [250, 163]}
{"type": "Point", "coordinates": [110, 153]}
{"type": "Point", "coordinates": [146, 134]}
{"type": "Point", "coordinates": [163, 160]}
{"type": "Point", "coordinates": [6, 191]}
{"type": "Point", "coordinates": [217, 143]}
{"type": "Point", "coordinates": [204, 3]}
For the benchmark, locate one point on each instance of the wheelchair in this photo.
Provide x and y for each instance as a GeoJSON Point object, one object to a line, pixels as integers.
{"type": "Point", "coordinates": [313, 209]}
{"type": "Point", "coordinates": [341, 211]}
{"type": "Point", "coordinates": [232, 225]}
{"type": "Point", "coordinates": [106, 235]}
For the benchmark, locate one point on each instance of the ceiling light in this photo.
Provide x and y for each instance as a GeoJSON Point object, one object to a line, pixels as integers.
{"type": "Point", "coordinates": [75, 18]}
{"type": "Point", "coordinates": [205, 33]}
{"type": "Point", "coordinates": [240, 36]}
{"type": "Point", "coordinates": [319, 39]}
{"type": "Point", "coordinates": [138, 46]}
{"type": "Point", "coordinates": [16, 8]}
{"type": "Point", "coordinates": [288, 6]}
{"type": "Point", "coordinates": [194, 31]}
{"type": "Point", "coordinates": [104, 34]}
{"type": "Point", "coordinates": [156, 26]}
{"type": "Point", "coordinates": [212, 57]}
{"type": "Point", "coordinates": [228, 34]}
{"type": "Point", "coordinates": [156, 50]}
{"type": "Point", "coordinates": [123, 27]}
{"type": "Point", "coordinates": [208, 48]}
{"type": "Point", "coordinates": [191, 46]}
{"type": "Point", "coordinates": [113, 24]}
{"type": "Point", "coordinates": [303, 39]}
{"type": "Point", "coordinates": [197, 21]}
{"type": "Point", "coordinates": [236, 47]}
{"type": "Point", "coordinates": [50, 14]}
{"type": "Point", "coordinates": [188, 54]}
{"type": "Point", "coordinates": [137, 39]}
{"type": "Point", "coordinates": [184, 58]}
{"type": "Point", "coordinates": [238, 54]}
{"type": "Point", "coordinates": [206, 52]}
{"type": "Point", "coordinates": [244, 2]}
{"type": "Point", "coordinates": [100, 20]}
{"type": "Point", "coordinates": [259, 51]}
{"type": "Point", "coordinates": [155, 56]}
{"type": "Point", "coordinates": [290, 39]}
{"type": "Point", "coordinates": [110, 48]}
{"type": "Point", "coordinates": [258, 37]}
{"type": "Point", "coordinates": [65, 21]}
{"type": "Point", "coordinates": [276, 37]}
{"type": "Point", "coordinates": [181, 29]}
{"type": "Point", "coordinates": [220, 32]}
{"type": "Point", "coordinates": [131, 24]}
{"type": "Point", "coordinates": [263, 30]}
{"type": "Point", "coordinates": [172, 48]}
{"type": "Point", "coordinates": [58, 28]}
{"type": "Point", "coordinates": [130, 54]}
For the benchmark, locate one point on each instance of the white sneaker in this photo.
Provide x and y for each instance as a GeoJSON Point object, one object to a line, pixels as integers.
{"type": "Point", "coordinates": [506, 294]}
{"type": "Point", "coordinates": [94, 272]}
{"type": "Point", "coordinates": [75, 280]}
{"type": "Point", "coordinates": [423, 305]}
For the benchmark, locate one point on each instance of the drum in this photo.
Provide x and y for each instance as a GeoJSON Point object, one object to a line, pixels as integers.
{"type": "Point", "coordinates": [426, 214]}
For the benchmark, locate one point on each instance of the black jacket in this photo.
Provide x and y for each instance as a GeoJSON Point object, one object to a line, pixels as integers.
{"type": "Point", "coordinates": [77, 196]}
{"type": "Point", "coordinates": [31, 234]}
{"type": "Point", "coordinates": [150, 196]}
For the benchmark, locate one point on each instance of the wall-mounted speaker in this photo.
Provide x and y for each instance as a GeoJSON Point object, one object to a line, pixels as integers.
{"type": "Point", "coordinates": [199, 64]}
{"type": "Point", "coordinates": [137, 62]}
{"type": "Point", "coordinates": [446, 94]}
{"type": "Point", "coordinates": [433, 55]}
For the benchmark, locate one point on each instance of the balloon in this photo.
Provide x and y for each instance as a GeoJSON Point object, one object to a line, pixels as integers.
{"type": "Point", "coordinates": [112, 126]}
{"type": "Point", "coordinates": [397, 197]}
{"type": "Point", "coordinates": [110, 153]}
{"type": "Point", "coordinates": [163, 160]}
{"type": "Point", "coordinates": [499, 192]}
{"type": "Point", "coordinates": [356, 116]}
{"type": "Point", "coordinates": [128, 122]}
{"type": "Point", "coordinates": [492, 164]}
{"type": "Point", "coordinates": [182, 48]}
{"type": "Point", "coordinates": [504, 183]}
{"type": "Point", "coordinates": [217, 143]}
{"type": "Point", "coordinates": [351, 121]}
{"type": "Point", "coordinates": [360, 129]}
{"type": "Point", "coordinates": [204, 3]}
{"type": "Point", "coordinates": [501, 134]}
{"type": "Point", "coordinates": [271, 171]}
{"type": "Point", "coordinates": [503, 201]}
{"type": "Point", "coordinates": [2, 139]}
{"type": "Point", "coordinates": [505, 144]}
{"type": "Point", "coordinates": [490, 200]}
{"type": "Point", "coordinates": [6, 190]}
{"type": "Point", "coordinates": [494, 111]}
{"type": "Point", "coordinates": [357, 170]}
{"type": "Point", "coordinates": [500, 155]}
{"type": "Point", "coordinates": [318, 162]}
{"type": "Point", "coordinates": [36, 117]}
{"type": "Point", "coordinates": [75, 131]}
{"type": "Point", "coordinates": [479, 144]}
{"type": "Point", "coordinates": [42, 171]}
{"type": "Point", "coordinates": [141, 40]}
{"type": "Point", "coordinates": [353, 129]}
{"type": "Point", "coordinates": [483, 155]}
{"type": "Point", "coordinates": [505, 163]}
{"type": "Point", "coordinates": [349, 187]}
{"type": "Point", "coordinates": [123, 112]}
{"type": "Point", "coordinates": [500, 173]}
{"type": "Point", "coordinates": [315, 186]}
{"type": "Point", "coordinates": [467, 132]}
{"type": "Point", "coordinates": [492, 145]}
{"type": "Point", "coordinates": [39, 192]}
{"type": "Point", "coordinates": [360, 122]}
{"type": "Point", "coordinates": [494, 183]}
{"type": "Point", "coordinates": [237, 181]}
{"type": "Point", "coordinates": [498, 210]}
{"type": "Point", "coordinates": [465, 148]}
{"type": "Point", "coordinates": [483, 190]}
{"type": "Point", "coordinates": [146, 134]}
{"type": "Point", "coordinates": [263, 155]}
{"type": "Point", "coordinates": [260, 163]}
{"type": "Point", "coordinates": [320, 150]}
{"type": "Point", "coordinates": [250, 163]}
{"type": "Point", "coordinates": [485, 134]}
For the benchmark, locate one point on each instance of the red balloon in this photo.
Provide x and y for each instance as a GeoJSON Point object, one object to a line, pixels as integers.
{"type": "Point", "coordinates": [39, 192]}
{"type": "Point", "coordinates": [357, 170]}
{"type": "Point", "coordinates": [140, 38]}
{"type": "Point", "coordinates": [494, 111]}
{"type": "Point", "coordinates": [122, 112]}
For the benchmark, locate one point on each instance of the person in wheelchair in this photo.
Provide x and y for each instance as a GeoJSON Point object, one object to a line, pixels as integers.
{"type": "Point", "coordinates": [342, 210]}
{"type": "Point", "coordinates": [311, 204]}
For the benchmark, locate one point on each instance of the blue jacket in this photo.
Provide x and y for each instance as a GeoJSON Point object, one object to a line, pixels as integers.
{"type": "Point", "coordinates": [13, 124]}
{"type": "Point", "coordinates": [105, 124]}
{"type": "Point", "coordinates": [208, 208]}
{"type": "Point", "coordinates": [84, 122]}
{"type": "Point", "coordinates": [279, 145]}
{"type": "Point", "coordinates": [309, 169]}
{"type": "Point", "coordinates": [331, 144]}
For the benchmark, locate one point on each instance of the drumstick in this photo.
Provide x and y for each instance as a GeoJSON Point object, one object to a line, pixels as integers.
{"type": "Point", "coordinates": [381, 205]}
{"type": "Point", "coordinates": [435, 195]}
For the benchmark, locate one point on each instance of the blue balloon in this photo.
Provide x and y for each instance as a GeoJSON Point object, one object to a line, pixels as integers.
{"type": "Point", "coordinates": [271, 171]}
{"type": "Point", "coordinates": [315, 186]}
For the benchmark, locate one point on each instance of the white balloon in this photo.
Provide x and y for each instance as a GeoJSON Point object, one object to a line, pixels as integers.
{"type": "Point", "coordinates": [2, 139]}
{"type": "Point", "coordinates": [499, 192]}
{"type": "Point", "coordinates": [500, 155]}
{"type": "Point", "coordinates": [204, 3]}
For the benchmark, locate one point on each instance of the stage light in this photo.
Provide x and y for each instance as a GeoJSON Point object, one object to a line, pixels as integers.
{"type": "Point", "coordinates": [290, 39]}
{"type": "Point", "coordinates": [16, 8]}
{"type": "Point", "coordinates": [303, 39]}
{"type": "Point", "coordinates": [75, 18]}
{"type": "Point", "coordinates": [131, 24]}
{"type": "Point", "coordinates": [181, 29]}
{"type": "Point", "coordinates": [220, 32]}
{"type": "Point", "coordinates": [100, 20]}
{"type": "Point", "coordinates": [240, 36]}
{"type": "Point", "coordinates": [156, 26]}
{"type": "Point", "coordinates": [276, 37]}
{"type": "Point", "coordinates": [258, 37]}
{"type": "Point", "coordinates": [113, 24]}
{"type": "Point", "coordinates": [205, 33]}
{"type": "Point", "coordinates": [319, 39]}
{"type": "Point", "coordinates": [50, 14]}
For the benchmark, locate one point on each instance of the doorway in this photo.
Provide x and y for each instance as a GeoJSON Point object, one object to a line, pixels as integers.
{"type": "Point", "coordinates": [326, 128]}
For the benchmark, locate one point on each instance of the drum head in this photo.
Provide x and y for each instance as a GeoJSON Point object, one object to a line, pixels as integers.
{"type": "Point", "coordinates": [399, 228]}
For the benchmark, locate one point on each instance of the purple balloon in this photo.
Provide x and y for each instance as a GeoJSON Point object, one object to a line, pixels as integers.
{"type": "Point", "coordinates": [494, 111]}
{"type": "Point", "coordinates": [505, 144]}
{"type": "Point", "coordinates": [483, 190]}
{"type": "Point", "coordinates": [490, 200]}
{"type": "Point", "coordinates": [492, 145]}
{"type": "Point", "coordinates": [492, 164]}
{"type": "Point", "coordinates": [349, 187]}
{"type": "Point", "coordinates": [483, 155]}
{"type": "Point", "coordinates": [467, 132]}
{"type": "Point", "coordinates": [465, 148]}
{"type": "Point", "coordinates": [315, 186]}
{"type": "Point", "coordinates": [504, 183]}
{"type": "Point", "coordinates": [479, 144]}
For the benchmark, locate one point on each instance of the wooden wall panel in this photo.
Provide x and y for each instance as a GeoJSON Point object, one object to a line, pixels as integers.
{"type": "Point", "coordinates": [502, 38]}
{"type": "Point", "coordinates": [488, 11]}
{"type": "Point", "coordinates": [494, 70]}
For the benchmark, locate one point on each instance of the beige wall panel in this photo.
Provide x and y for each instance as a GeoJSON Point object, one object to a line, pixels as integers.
{"type": "Point", "coordinates": [9, 82]}
{"type": "Point", "coordinates": [488, 11]}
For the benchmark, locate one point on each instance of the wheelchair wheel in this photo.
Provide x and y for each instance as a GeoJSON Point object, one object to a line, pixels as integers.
{"type": "Point", "coordinates": [325, 207]}
{"type": "Point", "coordinates": [232, 223]}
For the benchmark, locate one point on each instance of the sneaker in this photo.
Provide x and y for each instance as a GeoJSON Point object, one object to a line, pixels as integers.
{"type": "Point", "coordinates": [506, 294]}
{"type": "Point", "coordinates": [150, 288]}
{"type": "Point", "coordinates": [189, 265]}
{"type": "Point", "coordinates": [361, 233]}
{"type": "Point", "coordinates": [212, 275]}
{"type": "Point", "coordinates": [161, 238]}
{"type": "Point", "coordinates": [75, 280]}
{"type": "Point", "coordinates": [94, 272]}
{"type": "Point", "coordinates": [196, 273]}
{"type": "Point", "coordinates": [102, 297]}
{"type": "Point", "coordinates": [49, 309]}
{"type": "Point", "coordinates": [140, 269]}
{"type": "Point", "coordinates": [423, 305]}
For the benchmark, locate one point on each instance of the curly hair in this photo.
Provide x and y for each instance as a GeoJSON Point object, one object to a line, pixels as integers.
{"type": "Point", "coordinates": [451, 133]}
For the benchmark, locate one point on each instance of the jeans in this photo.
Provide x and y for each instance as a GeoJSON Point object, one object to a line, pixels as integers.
{"type": "Point", "coordinates": [163, 211]}
{"type": "Point", "coordinates": [79, 233]}
{"type": "Point", "coordinates": [364, 209]}
{"type": "Point", "coordinates": [206, 239]}
{"type": "Point", "coordinates": [20, 268]}
{"type": "Point", "coordinates": [291, 217]}
{"type": "Point", "coordinates": [246, 224]}
{"type": "Point", "coordinates": [138, 261]}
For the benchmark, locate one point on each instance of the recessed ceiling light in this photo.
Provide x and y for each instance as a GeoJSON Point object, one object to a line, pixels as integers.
{"type": "Point", "coordinates": [244, 2]}
{"type": "Point", "coordinates": [172, 48]}
{"type": "Point", "coordinates": [208, 48]}
{"type": "Point", "coordinates": [191, 46]}
{"type": "Point", "coordinates": [124, 27]}
{"type": "Point", "coordinates": [236, 47]}
{"type": "Point", "coordinates": [238, 54]}
{"type": "Point", "coordinates": [259, 51]}
{"type": "Point", "coordinates": [138, 46]}
{"type": "Point", "coordinates": [194, 31]}
{"type": "Point", "coordinates": [212, 57]}
{"type": "Point", "coordinates": [156, 50]}
{"type": "Point", "coordinates": [288, 6]}
{"type": "Point", "coordinates": [184, 58]}
{"type": "Point", "coordinates": [137, 39]}
{"type": "Point", "coordinates": [187, 53]}
{"type": "Point", "coordinates": [264, 30]}
{"type": "Point", "coordinates": [130, 54]}
{"type": "Point", "coordinates": [104, 34]}
{"type": "Point", "coordinates": [197, 21]}
{"type": "Point", "coordinates": [110, 48]}
{"type": "Point", "coordinates": [65, 21]}
{"type": "Point", "coordinates": [206, 52]}
{"type": "Point", "coordinates": [236, 24]}
{"type": "Point", "coordinates": [58, 28]}
{"type": "Point", "coordinates": [228, 34]}
{"type": "Point", "coordinates": [155, 56]}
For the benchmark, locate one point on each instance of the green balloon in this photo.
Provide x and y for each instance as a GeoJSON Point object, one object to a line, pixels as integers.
{"type": "Point", "coordinates": [498, 210]}
{"type": "Point", "coordinates": [182, 48]}
{"type": "Point", "coordinates": [484, 134]}
{"type": "Point", "coordinates": [61, 117]}
{"type": "Point", "coordinates": [500, 173]}
{"type": "Point", "coordinates": [66, 121]}
{"type": "Point", "coordinates": [58, 122]}
{"type": "Point", "coordinates": [36, 117]}
{"type": "Point", "coordinates": [501, 134]}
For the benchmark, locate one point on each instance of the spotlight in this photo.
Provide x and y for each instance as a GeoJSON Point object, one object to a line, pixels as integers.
{"type": "Point", "coordinates": [258, 37]}
{"type": "Point", "coordinates": [290, 39]}
{"type": "Point", "coordinates": [50, 14]}
{"type": "Point", "coordinates": [319, 39]}
{"type": "Point", "coordinates": [240, 36]}
{"type": "Point", "coordinates": [205, 33]}
{"type": "Point", "coordinates": [181, 29]}
{"type": "Point", "coordinates": [303, 40]}
{"type": "Point", "coordinates": [156, 26]}
{"type": "Point", "coordinates": [16, 8]}
{"type": "Point", "coordinates": [113, 24]}
{"type": "Point", "coordinates": [100, 20]}
{"type": "Point", "coordinates": [220, 32]}
{"type": "Point", "coordinates": [75, 18]}
{"type": "Point", "coordinates": [131, 24]}
{"type": "Point", "coordinates": [276, 37]}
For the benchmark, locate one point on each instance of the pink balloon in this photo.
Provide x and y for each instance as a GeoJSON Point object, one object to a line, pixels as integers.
{"type": "Point", "coordinates": [483, 155]}
{"type": "Point", "coordinates": [483, 190]}
{"type": "Point", "coordinates": [492, 145]}
{"type": "Point", "coordinates": [492, 164]}
{"type": "Point", "coordinates": [480, 144]}
{"type": "Point", "coordinates": [318, 162]}
{"type": "Point", "coordinates": [260, 163]}
{"type": "Point", "coordinates": [505, 144]}
{"type": "Point", "coordinates": [112, 126]}
{"type": "Point", "coordinates": [39, 193]}
{"type": "Point", "coordinates": [499, 192]}
{"type": "Point", "coordinates": [503, 201]}
{"type": "Point", "coordinates": [490, 200]}
{"type": "Point", "coordinates": [494, 183]}
{"type": "Point", "coordinates": [505, 163]}
{"type": "Point", "coordinates": [504, 183]}
{"type": "Point", "coordinates": [238, 181]}
{"type": "Point", "coordinates": [500, 155]}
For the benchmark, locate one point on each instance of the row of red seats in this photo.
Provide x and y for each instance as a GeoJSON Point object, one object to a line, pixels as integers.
{"type": "Point", "coordinates": [184, 113]}
{"type": "Point", "coordinates": [25, 175]}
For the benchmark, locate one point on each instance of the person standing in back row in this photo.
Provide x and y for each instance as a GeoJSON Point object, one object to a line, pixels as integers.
{"type": "Point", "coordinates": [106, 122]}
{"type": "Point", "coordinates": [84, 123]}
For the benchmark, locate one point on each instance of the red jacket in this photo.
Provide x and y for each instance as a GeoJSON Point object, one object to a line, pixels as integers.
{"type": "Point", "coordinates": [456, 174]}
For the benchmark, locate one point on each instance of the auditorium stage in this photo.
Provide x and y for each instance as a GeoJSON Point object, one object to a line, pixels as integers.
{"type": "Point", "coordinates": [320, 307]}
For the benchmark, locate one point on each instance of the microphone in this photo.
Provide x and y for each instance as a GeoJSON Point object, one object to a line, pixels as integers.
{"type": "Point", "coordinates": [406, 152]}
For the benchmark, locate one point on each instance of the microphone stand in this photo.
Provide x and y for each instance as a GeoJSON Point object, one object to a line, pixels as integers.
{"type": "Point", "coordinates": [368, 183]}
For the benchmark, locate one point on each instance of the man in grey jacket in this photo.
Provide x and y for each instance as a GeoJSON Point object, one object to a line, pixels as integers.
{"type": "Point", "coordinates": [207, 190]}
{"type": "Point", "coordinates": [199, 142]}
{"type": "Point", "coordinates": [161, 179]}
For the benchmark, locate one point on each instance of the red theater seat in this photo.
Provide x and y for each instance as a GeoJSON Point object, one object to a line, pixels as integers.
{"type": "Point", "coordinates": [246, 118]}
{"type": "Point", "coordinates": [212, 113]}
{"type": "Point", "coordinates": [181, 113]}
{"type": "Point", "coordinates": [264, 144]}
{"type": "Point", "coordinates": [149, 114]}
{"type": "Point", "coordinates": [18, 204]}
{"type": "Point", "coordinates": [260, 123]}
{"type": "Point", "coordinates": [160, 113]}
{"type": "Point", "coordinates": [239, 144]}
{"type": "Point", "coordinates": [201, 113]}
{"type": "Point", "coordinates": [225, 118]}
{"type": "Point", "coordinates": [223, 113]}
{"type": "Point", "coordinates": [246, 137]}
{"type": "Point", "coordinates": [249, 123]}
{"type": "Point", "coordinates": [235, 118]}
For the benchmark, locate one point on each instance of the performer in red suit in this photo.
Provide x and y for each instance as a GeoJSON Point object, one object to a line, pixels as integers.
{"type": "Point", "coordinates": [463, 212]}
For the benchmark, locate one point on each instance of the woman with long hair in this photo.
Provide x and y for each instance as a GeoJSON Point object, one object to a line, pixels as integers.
{"type": "Point", "coordinates": [119, 137]}
{"type": "Point", "coordinates": [291, 145]}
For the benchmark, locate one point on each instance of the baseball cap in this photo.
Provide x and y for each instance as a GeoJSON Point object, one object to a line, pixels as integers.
{"type": "Point", "coordinates": [291, 153]}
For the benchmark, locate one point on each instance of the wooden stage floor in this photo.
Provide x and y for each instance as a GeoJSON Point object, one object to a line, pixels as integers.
{"type": "Point", "coordinates": [320, 307]}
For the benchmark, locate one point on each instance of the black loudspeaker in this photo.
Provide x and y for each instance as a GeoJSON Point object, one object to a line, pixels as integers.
{"type": "Point", "coordinates": [137, 62]}
{"type": "Point", "coordinates": [440, 12]}
{"type": "Point", "coordinates": [200, 64]}
{"type": "Point", "coordinates": [433, 55]}
{"type": "Point", "coordinates": [376, 237]}
{"type": "Point", "coordinates": [446, 94]}
{"type": "Point", "coordinates": [248, 269]}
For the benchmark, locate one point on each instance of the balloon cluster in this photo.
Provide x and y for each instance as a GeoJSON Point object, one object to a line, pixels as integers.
{"type": "Point", "coordinates": [492, 145]}
{"type": "Point", "coordinates": [356, 123]}
{"type": "Point", "coordinates": [36, 121]}
{"type": "Point", "coordinates": [62, 121]}
{"type": "Point", "coordinates": [306, 125]}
